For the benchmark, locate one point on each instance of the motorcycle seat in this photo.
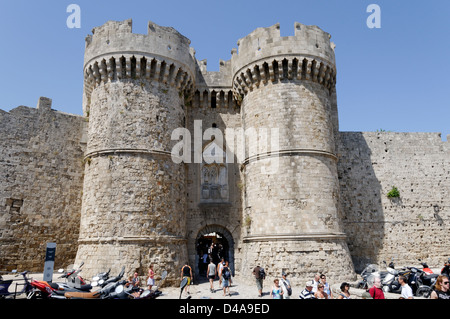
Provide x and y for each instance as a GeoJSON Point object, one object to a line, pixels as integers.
{"type": "Point", "coordinates": [54, 285]}
{"type": "Point", "coordinates": [430, 276]}
{"type": "Point", "coordinates": [87, 287]}
{"type": "Point", "coordinates": [82, 295]}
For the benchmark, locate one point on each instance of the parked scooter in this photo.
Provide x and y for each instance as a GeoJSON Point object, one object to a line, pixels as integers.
{"type": "Point", "coordinates": [425, 267]}
{"type": "Point", "coordinates": [390, 278]}
{"type": "Point", "coordinates": [127, 291]}
{"type": "Point", "coordinates": [27, 288]}
{"type": "Point", "coordinates": [74, 282]}
{"type": "Point", "coordinates": [368, 274]}
{"type": "Point", "coordinates": [4, 287]}
{"type": "Point", "coordinates": [100, 279]}
{"type": "Point", "coordinates": [417, 279]}
{"type": "Point", "coordinates": [425, 281]}
{"type": "Point", "coordinates": [390, 282]}
{"type": "Point", "coordinates": [108, 286]}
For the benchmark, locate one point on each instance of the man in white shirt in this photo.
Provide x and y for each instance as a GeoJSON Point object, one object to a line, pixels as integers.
{"type": "Point", "coordinates": [285, 286]}
{"type": "Point", "coordinates": [406, 289]}
{"type": "Point", "coordinates": [315, 282]}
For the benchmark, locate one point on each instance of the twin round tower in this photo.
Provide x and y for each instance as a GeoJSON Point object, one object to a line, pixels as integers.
{"type": "Point", "coordinates": [277, 205]}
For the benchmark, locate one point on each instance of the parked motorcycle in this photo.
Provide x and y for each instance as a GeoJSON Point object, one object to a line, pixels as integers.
{"type": "Point", "coordinates": [108, 286]}
{"type": "Point", "coordinates": [368, 274]}
{"type": "Point", "coordinates": [100, 279]}
{"type": "Point", "coordinates": [73, 282]}
{"type": "Point", "coordinates": [426, 280]}
{"type": "Point", "coordinates": [421, 282]}
{"type": "Point", "coordinates": [390, 281]}
{"type": "Point", "coordinates": [4, 287]}
{"type": "Point", "coordinates": [127, 291]}
{"type": "Point", "coordinates": [27, 288]}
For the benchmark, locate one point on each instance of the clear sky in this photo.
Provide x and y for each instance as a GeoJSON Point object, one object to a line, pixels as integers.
{"type": "Point", "coordinates": [395, 78]}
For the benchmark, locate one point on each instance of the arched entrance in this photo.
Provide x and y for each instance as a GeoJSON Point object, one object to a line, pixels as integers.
{"type": "Point", "coordinates": [217, 242]}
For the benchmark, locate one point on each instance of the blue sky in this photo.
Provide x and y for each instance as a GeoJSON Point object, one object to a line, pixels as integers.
{"type": "Point", "coordinates": [395, 78]}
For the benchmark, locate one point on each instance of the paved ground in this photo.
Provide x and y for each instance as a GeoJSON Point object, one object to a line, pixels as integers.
{"type": "Point", "coordinates": [237, 290]}
{"type": "Point", "coordinates": [201, 290]}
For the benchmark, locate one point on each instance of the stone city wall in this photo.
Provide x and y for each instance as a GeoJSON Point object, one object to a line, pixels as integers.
{"type": "Point", "coordinates": [41, 179]}
{"type": "Point", "coordinates": [412, 226]}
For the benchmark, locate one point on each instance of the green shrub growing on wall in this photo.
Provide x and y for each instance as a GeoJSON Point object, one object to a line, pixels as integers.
{"type": "Point", "coordinates": [393, 193]}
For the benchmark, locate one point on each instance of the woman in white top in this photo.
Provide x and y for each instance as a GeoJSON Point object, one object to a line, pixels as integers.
{"type": "Point", "coordinates": [326, 286]}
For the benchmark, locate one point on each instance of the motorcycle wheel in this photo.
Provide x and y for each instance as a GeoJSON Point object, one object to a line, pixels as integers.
{"type": "Point", "coordinates": [423, 292]}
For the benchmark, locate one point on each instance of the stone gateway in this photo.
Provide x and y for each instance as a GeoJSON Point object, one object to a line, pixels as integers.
{"type": "Point", "coordinates": [272, 180]}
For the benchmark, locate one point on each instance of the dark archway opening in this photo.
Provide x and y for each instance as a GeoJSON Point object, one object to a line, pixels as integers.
{"type": "Point", "coordinates": [211, 246]}
{"type": "Point", "coordinates": [213, 243]}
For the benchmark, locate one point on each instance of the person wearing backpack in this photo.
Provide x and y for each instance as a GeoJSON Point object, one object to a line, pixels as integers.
{"type": "Point", "coordinates": [226, 277]}
{"type": "Point", "coordinates": [260, 275]}
{"type": "Point", "coordinates": [285, 286]}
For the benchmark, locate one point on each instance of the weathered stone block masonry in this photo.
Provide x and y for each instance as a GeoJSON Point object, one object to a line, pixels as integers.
{"type": "Point", "coordinates": [106, 189]}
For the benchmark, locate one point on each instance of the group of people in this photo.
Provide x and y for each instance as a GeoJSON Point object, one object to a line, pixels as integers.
{"type": "Point", "coordinates": [135, 281]}
{"type": "Point", "coordinates": [281, 288]}
{"type": "Point", "coordinates": [441, 289]}
{"type": "Point", "coordinates": [208, 252]}
{"type": "Point", "coordinates": [222, 271]}
{"type": "Point", "coordinates": [319, 288]}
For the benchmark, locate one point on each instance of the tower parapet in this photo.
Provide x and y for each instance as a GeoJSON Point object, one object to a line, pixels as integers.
{"type": "Point", "coordinates": [114, 53]}
{"type": "Point", "coordinates": [264, 55]}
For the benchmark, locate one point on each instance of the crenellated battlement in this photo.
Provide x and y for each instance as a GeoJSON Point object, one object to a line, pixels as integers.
{"type": "Point", "coordinates": [264, 55]}
{"type": "Point", "coordinates": [263, 43]}
{"type": "Point", "coordinates": [114, 53]}
{"type": "Point", "coordinates": [161, 42]}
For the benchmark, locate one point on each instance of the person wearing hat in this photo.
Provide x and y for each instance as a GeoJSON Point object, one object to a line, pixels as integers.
{"type": "Point", "coordinates": [285, 286]}
{"type": "Point", "coordinates": [307, 293]}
